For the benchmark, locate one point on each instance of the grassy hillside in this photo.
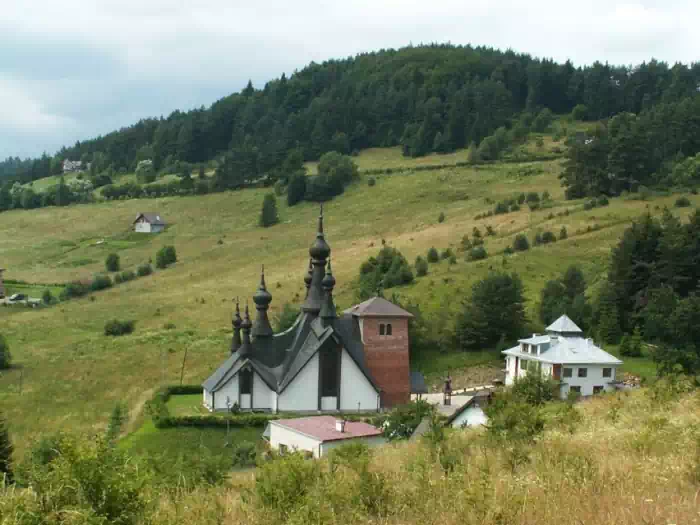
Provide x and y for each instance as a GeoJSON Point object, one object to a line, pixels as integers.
{"type": "Point", "coordinates": [73, 375]}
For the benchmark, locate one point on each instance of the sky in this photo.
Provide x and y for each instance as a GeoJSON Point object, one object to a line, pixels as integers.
{"type": "Point", "coordinates": [74, 69]}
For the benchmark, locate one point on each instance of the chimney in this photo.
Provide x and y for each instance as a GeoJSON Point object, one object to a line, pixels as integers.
{"type": "Point", "coordinates": [340, 425]}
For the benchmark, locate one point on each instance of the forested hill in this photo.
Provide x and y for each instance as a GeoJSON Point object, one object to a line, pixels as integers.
{"type": "Point", "coordinates": [428, 98]}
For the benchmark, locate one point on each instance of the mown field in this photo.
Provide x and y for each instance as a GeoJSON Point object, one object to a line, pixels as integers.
{"type": "Point", "coordinates": [72, 375]}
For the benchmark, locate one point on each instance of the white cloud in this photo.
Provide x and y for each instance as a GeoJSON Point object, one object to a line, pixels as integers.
{"type": "Point", "coordinates": [79, 67]}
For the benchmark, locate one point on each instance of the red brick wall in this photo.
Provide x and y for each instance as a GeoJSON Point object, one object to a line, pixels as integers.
{"type": "Point", "coordinates": [387, 358]}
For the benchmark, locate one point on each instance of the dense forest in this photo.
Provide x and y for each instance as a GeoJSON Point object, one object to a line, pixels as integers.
{"type": "Point", "coordinates": [428, 98]}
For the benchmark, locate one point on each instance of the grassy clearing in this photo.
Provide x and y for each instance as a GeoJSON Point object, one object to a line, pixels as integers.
{"type": "Point", "coordinates": [73, 374]}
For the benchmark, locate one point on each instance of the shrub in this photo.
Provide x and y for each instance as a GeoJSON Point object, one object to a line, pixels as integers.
{"type": "Point", "coordinates": [533, 206]}
{"type": "Point", "coordinates": [296, 189]}
{"type": "Point", "coordinates": [452, 259]}
{"type": "Point", "coordinates": [433, 256]}
{"type": "Point", "coordinates": [490, 231]}
{"type": "Point", "coordinates": [403, 420]}
{"type": "Point", "coordinates": [126, 275]}
{"type": "Point", "coordinates": [166, 256]}
{"type": "Point", "coordinates": [112, 262]}
{"type": "Point", "coordinates": [144, 270]}
{"type": "Point", "coordinates": [515, 207]}
{"type": "Point", "coordinates": [520, 243]}
{"type": "Point", "coordinates": [117, 328]}
{"type": "Point", "coordinates": [521, 198]}
{"type": "Point", "coordinates": [5, 356]}
{"type": "Point", "coordinates": [100, 282]}
{"type": "Point", "coordinates": [580, 112]}
{"type": "Point", "coordinates": [563, 234]}
{"type": "Point", "coordinates": [446, 253]}
{"type": "Point", "coordinates": [47, 297]}
{"type": "Point", "coordinates": [268, 214]}
{"type": "Point", "coordinates": [74, 289]}
{"type": "Point", "coordinates": [546, 196]}
{"type": "Point", "coordinates": [682, 202]}
{"type": "Point", "coordinates": [118, 279]}
{"type": "Point", "coordinates": [390, 268]}
{"type": "Point", "coordinates": [441, 217]}
{"type": "Point", "coordinates": [532, 197]}
{"type": "Point", "coordinates": [421, 266]}
{"type": "Point", "coordinates": [478, 253]}
{"type": "Point", "coordinates": [534, 389]}
{"type": "Point", "coordinates": [538, 239]}
{"type": "Point", "coordinates": [548, 237]}
{"type": "Point", "coordinates": [500, 208]}
{"type": "Point", "coordinates": [589, 205]}
{"type": "Point", "coordinates": [371, 181]}
{"type": "Point", "coordinates": [602, 201]}
{"type": "Point", "coordinates": [244, 454]}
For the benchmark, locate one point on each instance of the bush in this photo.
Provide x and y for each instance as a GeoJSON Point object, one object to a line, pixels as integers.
{"type": "Point", "coordinates": [441, 217]}
{"type": "Point", "coordinates": [73, 290]}
{"type": "Point", "coordinates": [563, 234]}
{"type": "Point", "coordinates": [446, 253]}
{"type": "Point", "coordinates": [371, 181]}
{"type": "Point", "coordinates": [100, 282]}
{"type": "Point", "coordinates": [682, 202]}
{"type": "Point", "coordinates": [296, 189]}
{"type": "Point", "coordinates": [421, 266]}
{"type": "Point", "coordinates": [602, 201]}
{"type": "Point", "coordinates": [244, 455]}
{"type": "Point", "coordinates": [144, 270]}
{"type": "Point", "coordinates": [521, 198]}
{"type": "Point", "coordinates": [533, 206]}
{"type": "Point", "coordinates": [390, 268]}
{"type": "Point", "coordinates": [515, 207]}
{"type": "Point", "coordinates": [112, 262]}
{"type": "Point", "coordinates": [47, 297]}
{"type": "Point", "coordinates": [548, 237]}
{"type": "Point", "coordinates": [520, 243]}
{"type": "Point", "coordinates": [126, 275]}
{"type": "Point", "coordinates": [452, 259]}
{"type": "Point", "coordinates": [500, 208]}
{"type": "Point", "coordinates": [165, 257]}
{"type": "Point", "coordinates": [117, 328]}
{"type": "Point", "coordinates": [532, 197]}
{"type": "Point", "coordinates": [478, 253]}
{"type": "Point", "coordinates": [268, 214]}
{"type": "Point", "coordinates": [534, 389]}
{"type": "Point", "coordinates": [5, 356]}
{"type": "Point", "coordinates": [490, 231]}
{"type": "Point", "coordinates": [580, 112]}
{"type": "Point", "coordinates": [403, 420]}
{"type": "Point", "coordinates": [433, 256]}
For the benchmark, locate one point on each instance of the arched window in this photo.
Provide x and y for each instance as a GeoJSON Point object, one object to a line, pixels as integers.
{"type": "Point", "coordinates": [382, 329]}
{"type": "Point", "coordinates": [388, 329]}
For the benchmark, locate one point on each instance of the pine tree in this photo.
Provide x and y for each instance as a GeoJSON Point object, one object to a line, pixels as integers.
{"type": "Point", "coordinates": [6, 450]}
{"type": "Point", "coordinates": [268, 214]}
{"type": "Point", "coordinates": [608, 318]}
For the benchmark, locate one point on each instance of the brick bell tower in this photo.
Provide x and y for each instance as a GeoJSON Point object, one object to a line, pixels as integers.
{"type": "Point", "coordinates": [384, 329]}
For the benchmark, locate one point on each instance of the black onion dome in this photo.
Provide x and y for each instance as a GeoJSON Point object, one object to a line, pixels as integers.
{"type": "Point", "coordinates": [262, 297]}
{"type": "Point", "coordinates": [319, 249]}
{"type": "Point", "coordinates": [246, 324]}
{"type": "Point", "coordinates": [237, 317]}
{"type": "Point", "coordinates": [328, 281]}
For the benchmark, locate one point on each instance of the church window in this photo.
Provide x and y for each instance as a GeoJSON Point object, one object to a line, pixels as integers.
{"type": "Point", "coordinates": [330, 372]}
{"type": "Point", "coordinates": [246, 379]}
{"type": "Point", "coordinates": [382, 329]}
{"type": "Point", "coordinates": [388, 329]}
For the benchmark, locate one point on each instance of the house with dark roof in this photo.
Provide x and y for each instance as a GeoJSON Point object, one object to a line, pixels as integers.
{"type": "Point", "coordinates": [565, 355]}
{"type": "Point", "coordinates": [319, 435]}
{"type": "Point", "coordinates": [357, 360]}
{"type": "Point", "coordinates": [149, 222]}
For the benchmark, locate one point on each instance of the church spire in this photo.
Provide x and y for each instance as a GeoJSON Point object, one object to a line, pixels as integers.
{"type": "Point", "coordinates": [236, 322]}
{"type": "Point", "coordinates": [319, 252]}
{"type": "Point", "coordinates": [246, 346]}
{"type": "Point", "coordinates": [328, 311]}
{"type": "Point", "coordinates": [262, 299]}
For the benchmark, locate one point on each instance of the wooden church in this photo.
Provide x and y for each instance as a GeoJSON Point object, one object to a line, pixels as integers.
{"type": "Point", "coordinates": [357, 360]}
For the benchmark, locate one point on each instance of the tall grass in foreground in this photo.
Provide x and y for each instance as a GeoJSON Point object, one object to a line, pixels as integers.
{"type": "Point", "coordinates": [624, 459]}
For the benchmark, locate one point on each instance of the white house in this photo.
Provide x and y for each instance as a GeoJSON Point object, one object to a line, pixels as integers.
{"type": "Point", "coordinates": [565, 355]}
{"type": "Point", "coordinates": [471, 413]}
{"type": "Point", "coordinates": [149, 223]}
{"type": "Point", "coordinates": [319, 434]}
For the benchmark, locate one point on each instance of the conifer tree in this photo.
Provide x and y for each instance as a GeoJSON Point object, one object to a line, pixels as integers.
{"type": "Point", "coordinates": [608, 318]}
{"type": "Point", "coordinates": [6, 450]}
{"type": "Point", "coordinates": [268, 214]}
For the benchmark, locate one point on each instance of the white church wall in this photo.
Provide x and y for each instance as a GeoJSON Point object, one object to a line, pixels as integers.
{"type": "Point", "coordinates": [355, 387]}
{"type": "Point", "coordinates": [329, 403]}
{"type": "Point", "coordinates": [207, 398]}
{"type": "Point", "coordinates": [262, 398]}
{"type": "Point", "coordinates": [230, 390]}
{"type": "Point", "coordinates": [302, 393]}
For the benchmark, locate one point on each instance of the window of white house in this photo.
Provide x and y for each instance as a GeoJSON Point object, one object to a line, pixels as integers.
{"type": "Point", "coordinates": [388, 329]}
{"type": "Point", "coordinates": [607, 372]}
{"type": "Point", "coordinates": [576, 389]}
{"type": "Point", "coordinates": [583, 372]}
{"type": "Point", "coordinates": [282, 449]}
{"type": "Point", "coordinates": [568, 372]}
{"type": "Point", "coordinates": [382, 329]}
{"type": "Point", "coordinates": [523, 364]}
{"type": "Point", "coordinates": [597, 389]}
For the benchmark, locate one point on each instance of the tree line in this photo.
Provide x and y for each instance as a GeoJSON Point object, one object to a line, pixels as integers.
{"type": "Point", "coordinates": [426, 98]}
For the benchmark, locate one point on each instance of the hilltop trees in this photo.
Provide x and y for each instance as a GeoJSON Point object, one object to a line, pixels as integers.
{"type": "Point", "coordinates": [495, 310]}
{"type": "Point", "coordinates": [565, 295]}
{"type": "Point", "coordinates": [388, 269]}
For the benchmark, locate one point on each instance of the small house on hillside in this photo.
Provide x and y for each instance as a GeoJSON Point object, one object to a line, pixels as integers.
{"type": "Point", "coordinates": [319, 434]}
{"type": "Point", "coordinates": [72, 166]}
{"type": "Point", "coordinates": [149, 223]}
{"type": "Point", "coordinates": [2, 285]}
{"type": "Point", "coordinates": [566, 356]}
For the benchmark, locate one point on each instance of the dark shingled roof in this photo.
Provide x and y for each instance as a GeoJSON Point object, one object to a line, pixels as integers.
{"type": "Point", "coordinates": [378, 307]}
{"type": "Point", "coordinates": [151, 217]}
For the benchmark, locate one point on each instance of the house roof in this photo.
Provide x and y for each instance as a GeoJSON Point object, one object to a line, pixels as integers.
{"type": "Point", "coordinates": [322, 428]}
{"type": "Point", "coordinates": [378, 307]}
{"type": "Point", "coordinates": [151, 217]}
{"type": "Point", "coordinates": [568, 350]}
{"type": "Point", "coordinates": [535, 339]}
{"type": "Point", "coordinates": [564, 325]}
